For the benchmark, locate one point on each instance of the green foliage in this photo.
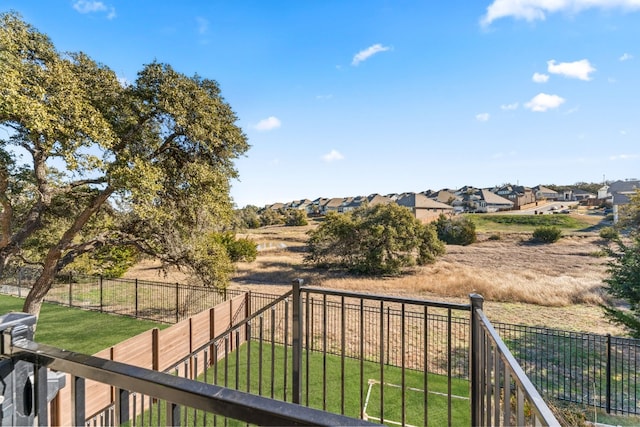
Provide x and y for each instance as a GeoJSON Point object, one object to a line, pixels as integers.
{"type": "Point", "coordinates": [243, 249]}
{"type": "Point", "coordinates": [382, 239]}
{"type": "Point", "coordinates": [529, 220]}
{"type": "Point", "coordinates": [271, 217]}
{"type": "Point", "coordinates": [246, 217]}
{"type": "Point", "coordinates": [547, 234]}
{"type": "Point", "coordinates": [456, 231]}
{"type": "Point", "coordinates": [609, 233]}
{"type": "Point", "coordinates": [161, 148]}
{"type": "Point", "coordinates": [629, 215]}
{"type": "Point", "coordinates": [624, 283]}
{"type": "Point", "coordinates": [108, 261]}
{"type": "Point", "coordinates": [295, 217]}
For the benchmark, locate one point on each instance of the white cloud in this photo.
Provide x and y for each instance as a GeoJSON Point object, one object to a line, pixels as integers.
{"type": "Point", "coordinates": [269, 123]}
{"type": "Point", "coordinates": [89, 6]}
{"type": "Point", "coordinates": [365, 54]}
{"type": "Point", "coordinates": [624, 157]}
{"type": "Point", "coordinates": [324, 97]}
{"type": "Point", "coordinates": [543, 102]}
{"type": "Point", "coordinates": [532, 10]}
{"type": "Point", "coordinates": [483, 117]}
{"type": "Point", "coordinates": [540, 78]}
{"type": "Point", "coordinates": [510, 107]}
{"type": "Point", "coordinates": [203, 25]}
{"type": "Point", "coordinates": [577, 69]}
{"type": "Point", "coordinates": [626, 56]}
{"type": "Point", "coordinates": [332, 156]}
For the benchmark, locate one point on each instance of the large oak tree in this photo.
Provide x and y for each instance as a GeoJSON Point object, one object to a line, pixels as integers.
{"type": "Point", "coordinates": [89, 161]}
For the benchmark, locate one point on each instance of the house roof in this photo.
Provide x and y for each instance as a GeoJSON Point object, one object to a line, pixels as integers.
{"type": "Point", "coordinates": [628, 186]}
{"type": "Point", "coordinates": [333, 203]}
{"type": "Point", "coordinates": [444, 196]}
{"type": "Point", "coordinates": [580, 191]}
{"type": "Point", "coordinates": [543, 189]}
{"type": "Point", "coordinates": [494, 199]}
{"type": "Point", "coordinates": [376, 199]}
{"type": "Point", "coordinates": [420, 201]}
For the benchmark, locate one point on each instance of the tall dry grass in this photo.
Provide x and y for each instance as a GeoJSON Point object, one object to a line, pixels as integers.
{"type": "Point", "coordinates": [448, 279]}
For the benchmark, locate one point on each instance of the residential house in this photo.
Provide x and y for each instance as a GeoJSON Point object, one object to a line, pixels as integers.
{"type": "Point", "coordinates": [445, 196]}
{"type": "Point", "coordinates": [376, 199]}
{"type": "Point", "coordinates": [580, 195]}
{"type": "Point", "coordinates": [486, 201]}
{"type": "Point", "coordinates": [276, 206]}
{"type": "Point", "coordinates": [544, 193]}
{"type": "Point", "coordinates": [424, 208]}
{"type": "Point", "coordinates": [518, 194]}
{"type": "Point", "coordinates": [621, 192]}
{"type": "Point", "coordinates": [331, 205]}
{"type": "Point", "coordinates": [353, 203]}
{"type": "Point", "coordinates": [300, 204]}
{"type": "Point", "coordinates": [315, 208]}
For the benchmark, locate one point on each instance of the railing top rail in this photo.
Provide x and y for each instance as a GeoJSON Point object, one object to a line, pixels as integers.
{"type": "Point", "coordinates": [182, 391]}
{"type": "Point", "coordinates": [539, 405]}
{"type": "Point", "coordinates": [386, 298]}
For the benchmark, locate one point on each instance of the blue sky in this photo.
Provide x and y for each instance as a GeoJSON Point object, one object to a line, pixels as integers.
{"type": "Point", "coordinates": [353, 97]}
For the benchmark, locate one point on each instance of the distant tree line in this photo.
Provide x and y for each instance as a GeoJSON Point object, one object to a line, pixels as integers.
{"type": "Point", "coordinates": [589, 187]}
{"type": "Point", "coordinates": [250, 217]}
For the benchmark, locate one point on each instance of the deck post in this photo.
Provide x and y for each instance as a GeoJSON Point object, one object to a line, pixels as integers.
{"type": "Point", "coordinates": [475, 360]}
{"type": "Point", "coordinates": [297, 341]}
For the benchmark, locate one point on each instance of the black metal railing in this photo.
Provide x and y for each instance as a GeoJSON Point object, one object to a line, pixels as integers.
{"type": "Point", "coordinates": [260, 369]}
{"type": "Point", "coordinates": [589, 369]}
{"type": "Point", "coordinates": [344, 369]}
{"type": "Point", "coordinates": [501, 393]}
{"type": "Point", "coordinates": [184, 401]}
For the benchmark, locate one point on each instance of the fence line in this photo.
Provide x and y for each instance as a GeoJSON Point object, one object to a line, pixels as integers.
{"type": "Point", "coordinates": [583, 368]}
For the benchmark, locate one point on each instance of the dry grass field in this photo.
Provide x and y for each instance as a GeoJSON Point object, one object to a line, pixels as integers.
{"type": "Point", "coordinates": [555, 285]}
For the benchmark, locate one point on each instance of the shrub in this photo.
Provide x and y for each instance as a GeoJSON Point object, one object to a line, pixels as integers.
{"type": "Point", "coordinates": [547, 234]}
{"type": "Point", "coordinates": [609, 233]}
{"type": "Point", "coordinates": [381, 239]}
{"type": "Point", "coordinates": [295, 217]}
{"type": "Point", "coordinates": [238, 249]}
{"type": "Point", "coordinates": [495, 237]}
{"type": "Point", "coordinates": [458, 231]}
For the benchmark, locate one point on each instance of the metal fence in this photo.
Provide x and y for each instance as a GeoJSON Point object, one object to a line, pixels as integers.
{"type": "Point", "coordinates": [593, 370]}
{"type": "Point", "coordinates": [143, 299]}
{"type": "Point", "coordinates": [327, 349]}
{"type": "Point", "coordinates": [501, 392]}
{"type": "Point", "coordinates": [588, 369]}
{"type": "Point", "coordinates": [342, 369]}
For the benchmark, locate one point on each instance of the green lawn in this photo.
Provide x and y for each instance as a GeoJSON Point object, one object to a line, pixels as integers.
{"type": "Point", "coordinates": [78, 330]}
{"type": "Point", "coordinates": [326, 392]}
{"type": "Point", "coordinates": [525, 223]}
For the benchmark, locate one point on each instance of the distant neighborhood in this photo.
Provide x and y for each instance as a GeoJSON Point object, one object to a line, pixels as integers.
{"type": "Point", "coordinates": [428, 205]}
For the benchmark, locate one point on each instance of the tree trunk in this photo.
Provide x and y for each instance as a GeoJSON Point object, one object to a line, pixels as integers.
{"type": "Point", "coordinates": [36, 295]}
{"type": "Point", "coordinates": [52, 266]}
